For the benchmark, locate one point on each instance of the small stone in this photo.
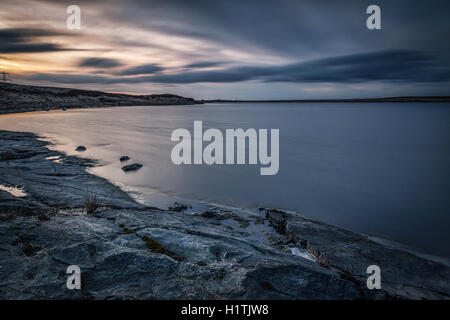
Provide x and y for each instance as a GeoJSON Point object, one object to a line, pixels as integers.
{"type": "Point", "coordinates": [28, 249]}
{"type": "Point", "coordinates": [80, 148]}
{"type": "Point", "coordinates": [43, 217]}
{"type": "Point", "coordinates": [132, 167]}
{"type": "Point", "coordinates": [208, 214]}
{"type": "Point", "coordinates": [178, 207]}
{"type": "Point", "coordinates": [124, 158]}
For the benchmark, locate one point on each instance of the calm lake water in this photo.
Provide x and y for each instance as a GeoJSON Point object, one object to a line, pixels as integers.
{"type": "Point", "coordinates": [377, 168]}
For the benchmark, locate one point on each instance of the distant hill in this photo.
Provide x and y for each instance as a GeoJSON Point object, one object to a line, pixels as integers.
{"type": "Point", "coordinates": [16, 98]}
{"type": "Point", "coordinates": [389, 99]}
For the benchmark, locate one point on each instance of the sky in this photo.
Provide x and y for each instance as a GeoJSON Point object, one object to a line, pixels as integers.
{"type": "Point", "coordinates": [230, 49]}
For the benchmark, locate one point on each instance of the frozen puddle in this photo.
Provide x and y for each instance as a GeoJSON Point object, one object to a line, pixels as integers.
{"type": "Point", "coordinates": [54, 159]}
{"type": "Point", "coordinates": [301, 253]}
{"type": "Point", "coordinates": [16, 192]}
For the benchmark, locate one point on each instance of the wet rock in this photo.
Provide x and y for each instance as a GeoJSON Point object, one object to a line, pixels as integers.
{"type": "Point", "coordinates": [124, 158]}
{"type": "Point", "coordinates": [80, 148]}
{"type": "Point", "coordinates": [11, 206]}
{"type": "Point", "coordinates": [170, 256]}
{"type": "Point", "coordinates": [132, 167]}
{"type": "Point", "coordinates": [224, 214]}
{"type": "Point", "coordinates": [43, 217]}
{"type": "Point", "coordinates": [258, 220]}
{"type": "Point", "coordinates": [277, 219]}
{"type": "Point", "coordinates": [208, 214]}
{"type": "Point", "coordinates": [30, 249]}
{"type": "Point", "coordinates": [403, 271]}
{"type": "Point", "coordinates": [178, 207]}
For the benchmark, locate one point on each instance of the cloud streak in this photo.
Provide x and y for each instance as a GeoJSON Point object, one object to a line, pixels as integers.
{"type": "Point", "coordinates": [23, 40]}
{"type": "Point", "coordinates": [205, 64]}
{"type": "Point", "coordinates": [390, 66]}
{"type": "Point", "coordinates": [142, 69]}
{"type": "Point", "coordinates": [99, 63]}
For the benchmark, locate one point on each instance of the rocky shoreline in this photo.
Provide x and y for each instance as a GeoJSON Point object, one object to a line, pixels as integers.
{"type": "Point", "coordinates": [15, 98]}
{"type": "Point", "coordinates": [130, 251]}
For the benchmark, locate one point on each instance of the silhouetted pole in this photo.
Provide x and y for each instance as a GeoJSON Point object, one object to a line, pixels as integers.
{"type": "Point", "coordinates": [4, 76]}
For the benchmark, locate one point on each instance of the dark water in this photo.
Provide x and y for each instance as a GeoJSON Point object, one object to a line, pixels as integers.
{"type": "Point", "coordinates": [378, 168]}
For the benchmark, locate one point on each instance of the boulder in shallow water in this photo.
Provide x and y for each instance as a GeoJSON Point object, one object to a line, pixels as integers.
{"type": "Point", "coordinates": [124, 158]}
{"type": "Point", "coordinates": [178, 207]}
{"type": "Point", "coordinates": [132, 167]}
{"type": "Point", "coordinates": [80, 148]}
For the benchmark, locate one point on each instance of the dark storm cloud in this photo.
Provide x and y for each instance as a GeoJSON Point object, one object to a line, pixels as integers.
{"type": "Point", "coordinates": [143, 69]}
{"type": "Point", "coordinates": [206, 64]}
{"type": "Point", "coordinates": [301, 29]}
{"type": "Point", "coordinates": [388, 66]}
{"type": "Point", "coordinates": [391, 65]}
{"type": "Point", "coordinates": [29, 48]}
{"type": "Point", "coordinates": [22, 40]}
{"type": "Point", "coordinates": [24, 34]}
{"type": "Point", "coordinates": [99, 63]}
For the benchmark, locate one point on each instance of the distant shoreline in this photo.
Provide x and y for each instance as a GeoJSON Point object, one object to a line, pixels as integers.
{"type": "Point", "coordinates": [15, 98]}
{"type": "Point", "coordinates": [388, 99]}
